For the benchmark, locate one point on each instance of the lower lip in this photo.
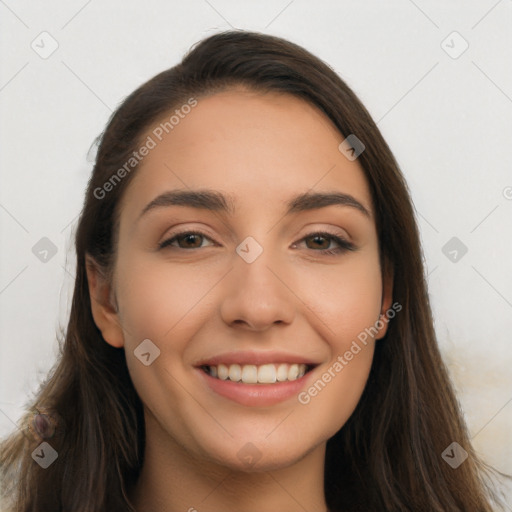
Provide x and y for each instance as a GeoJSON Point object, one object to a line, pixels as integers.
{"type": "Point", "coordinates": [254, 395]}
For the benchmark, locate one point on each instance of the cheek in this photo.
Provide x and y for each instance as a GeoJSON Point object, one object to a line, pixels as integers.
{"type": "Point", "coordinates": [167, 305]}
{"type": "Point", "coordinates": [346, 297]}
{"type": "Point", "coordinates": [348, 303]}
{"type": "Point", "coordinates": [158, 300]}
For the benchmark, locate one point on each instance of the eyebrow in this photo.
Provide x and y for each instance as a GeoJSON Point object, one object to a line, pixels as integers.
{"type": "Point", "coordinates": [215, 201]}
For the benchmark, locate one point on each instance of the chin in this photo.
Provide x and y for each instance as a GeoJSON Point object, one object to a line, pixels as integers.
{"type": "Point", "coordinates": [251, 455]}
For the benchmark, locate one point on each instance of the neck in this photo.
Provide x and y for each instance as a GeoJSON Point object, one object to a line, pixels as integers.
{"type": "Point", "coordinates": [173, 480]}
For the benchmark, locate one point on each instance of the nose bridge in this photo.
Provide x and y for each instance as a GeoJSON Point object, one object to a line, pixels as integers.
{"type": "Point", "coordinates": [257, 296]}
{"type": "Point", "coordinates": [252, 267]}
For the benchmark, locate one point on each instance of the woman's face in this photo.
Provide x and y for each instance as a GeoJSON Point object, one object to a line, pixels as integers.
{"type": "Point", "coordinates": [258, 294]}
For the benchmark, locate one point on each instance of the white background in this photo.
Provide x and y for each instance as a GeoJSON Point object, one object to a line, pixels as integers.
{"type": "Point", "coordinates": [448, 121]}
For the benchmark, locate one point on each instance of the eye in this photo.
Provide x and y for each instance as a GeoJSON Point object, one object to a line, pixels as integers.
{"type": "Point", "coordinates": [189, 239]}
{"type": "Point", "coordinates": [318, 241]}
{"type": "Point", "coordinates": [322, 240]}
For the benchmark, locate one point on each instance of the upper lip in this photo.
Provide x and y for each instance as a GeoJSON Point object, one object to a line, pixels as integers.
{"type": "Point", "coordinates": [255, 358]}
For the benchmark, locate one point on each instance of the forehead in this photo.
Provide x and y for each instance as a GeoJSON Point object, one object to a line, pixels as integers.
{"type": "Point", "coordinates": [258, 148]}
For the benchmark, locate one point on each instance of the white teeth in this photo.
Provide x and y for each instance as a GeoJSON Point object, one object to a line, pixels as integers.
{"type": "Point", "coordinates": [235, 372]}
{"type": "Point", "coordinates": [222, 371]}
{"type": "Point", "coordinates": [282, 372]}
{"type": "Point", "coordinates": [293, 372]}
{"type": "Point", "coordinates": [267, 374]}
{"type": "Point", "coordinates": [252, 374]}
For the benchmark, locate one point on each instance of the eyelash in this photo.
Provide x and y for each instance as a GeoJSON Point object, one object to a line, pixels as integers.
{"type": "Point", "coordinates": [343, 244]}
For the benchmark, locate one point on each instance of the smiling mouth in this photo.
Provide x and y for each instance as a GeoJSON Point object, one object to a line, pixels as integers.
{"type": "Point", "coordinates": [258, 374]}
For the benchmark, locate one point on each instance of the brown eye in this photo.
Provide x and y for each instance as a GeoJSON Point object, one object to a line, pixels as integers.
{"type": "Point", "coordinates": [321, 242]}
{"type": "Point", "coordinates": [186, 240]}
{"type": "Point", "coordinates": [190, 240]}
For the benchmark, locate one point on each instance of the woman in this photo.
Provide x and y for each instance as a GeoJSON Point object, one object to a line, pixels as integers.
{"type": "Point", "coordinates": [250, 326]}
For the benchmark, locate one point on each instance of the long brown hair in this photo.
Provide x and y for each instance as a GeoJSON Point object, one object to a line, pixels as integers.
{"type": "Point", "coordinates": [388, 456]}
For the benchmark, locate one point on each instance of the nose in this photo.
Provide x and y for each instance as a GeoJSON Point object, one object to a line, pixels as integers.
{"type": "Point", "coordinates": [257, 295]}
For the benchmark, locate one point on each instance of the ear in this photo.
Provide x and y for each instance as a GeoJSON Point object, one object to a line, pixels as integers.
{"type": "Point", "coordinates": [105, 314]}
{"type": "Point", "coordinates": [387, 299]}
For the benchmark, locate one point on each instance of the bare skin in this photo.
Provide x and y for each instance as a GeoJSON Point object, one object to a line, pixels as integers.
{"type": "Point", "coordinates": [198, 298]}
